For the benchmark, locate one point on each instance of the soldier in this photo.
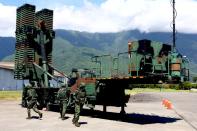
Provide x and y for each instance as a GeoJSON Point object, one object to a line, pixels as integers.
{"type": "Point", "coordinates": [32, 101]}
{"type": "Point", "coordinates": [63, 96]}
{"type": "Point", "coordinates": [80, 98]}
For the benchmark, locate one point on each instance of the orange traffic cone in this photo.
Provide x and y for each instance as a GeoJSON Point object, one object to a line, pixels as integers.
{"type": "Point", "coordinates": [169, 105]}
{"type": "Point", "coordinates": [164, 101]}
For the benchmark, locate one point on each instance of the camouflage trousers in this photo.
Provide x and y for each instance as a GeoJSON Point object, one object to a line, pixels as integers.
{"type": "Point", "coordinates": [32, 105]}
{"type": "Point", "coordinates": [78, 108]}
{"type": "Point", "coordinates": [63, 108]}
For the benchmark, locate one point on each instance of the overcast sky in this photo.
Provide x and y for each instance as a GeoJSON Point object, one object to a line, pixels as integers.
{"type": "Point", "coordinates": [107, 15]}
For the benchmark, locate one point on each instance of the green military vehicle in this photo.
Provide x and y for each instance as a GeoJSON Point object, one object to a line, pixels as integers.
{"type": "Point", "coordinates": [145, 62]}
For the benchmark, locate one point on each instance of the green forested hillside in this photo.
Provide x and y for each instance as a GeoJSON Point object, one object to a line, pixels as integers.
{"type": "Point", "coordinates": [67, 56]}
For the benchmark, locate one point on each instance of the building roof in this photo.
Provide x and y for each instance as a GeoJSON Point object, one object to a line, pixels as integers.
{"type": "Point", "coordinates": [10, 66]}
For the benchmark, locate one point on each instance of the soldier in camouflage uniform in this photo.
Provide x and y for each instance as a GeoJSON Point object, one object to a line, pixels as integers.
{"type": "Point", "coordinates": [32, 101]}
{"type": "Point", "coordinates": [80, 98]}
{"type": "Point", "coordinates": [63, 96]}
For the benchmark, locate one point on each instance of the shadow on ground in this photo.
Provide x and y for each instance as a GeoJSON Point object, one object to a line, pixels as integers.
{"type": "Point", "coordinates": [130, 118]}
{"type": "Point", "coordinates": [135, 118]}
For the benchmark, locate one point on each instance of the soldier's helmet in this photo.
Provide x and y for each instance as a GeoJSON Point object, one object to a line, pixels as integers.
{"type": "Point", "coordinates": [82, 85]}
{"type": "Point", "coordinates": [28, 86]}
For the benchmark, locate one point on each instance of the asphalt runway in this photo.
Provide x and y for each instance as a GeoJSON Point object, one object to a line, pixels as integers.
{"type": "Point", "coordinates": [144, 112]}
{"type": "Point", "coordinates": [184, 104]}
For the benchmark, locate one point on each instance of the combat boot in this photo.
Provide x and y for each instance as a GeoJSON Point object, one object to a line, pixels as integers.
{"type": "Point", "coordinates": [40, 115]}
{"type": "Point", "coordinates": [63, 118]}
{"type": "Point", "coordinates": [74, 120]}
{"type": "Point", "coordinates": [29, 115]}
{"type": "Point", "coordinates": [77, 124]}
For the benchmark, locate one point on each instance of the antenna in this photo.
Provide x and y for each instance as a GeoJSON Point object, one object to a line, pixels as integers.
{"type": "Point", "coordinates": [174, 26]}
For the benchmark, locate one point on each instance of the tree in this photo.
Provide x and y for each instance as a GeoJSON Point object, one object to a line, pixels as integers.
{"type": "Point", "coordinates": [195, 79]}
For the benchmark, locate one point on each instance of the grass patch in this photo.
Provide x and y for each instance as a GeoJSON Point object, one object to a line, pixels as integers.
{"type": "Point", "coordinates": [143, 90]}
{"type": "Point", "coordinates": [10, 95]}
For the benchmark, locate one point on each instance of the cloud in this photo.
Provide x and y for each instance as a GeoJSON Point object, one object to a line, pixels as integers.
{"type": "Point", "coordinates": [117, 15]}
{"type": "Point", "coordinates": [7, 20]}
{"type": "Point", "coordinates": [114, 16]}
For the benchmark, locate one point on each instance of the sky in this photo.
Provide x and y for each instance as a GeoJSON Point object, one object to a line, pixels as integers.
{"type": "Point", "coordinates": [107, 15]}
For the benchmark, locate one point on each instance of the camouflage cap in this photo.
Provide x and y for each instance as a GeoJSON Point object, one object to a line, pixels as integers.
{"type": "Point", "coordinates": [28, 86]}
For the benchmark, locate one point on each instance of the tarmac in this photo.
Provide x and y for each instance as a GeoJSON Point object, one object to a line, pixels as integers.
{"type": "Point", "coordinates": [144, 112]}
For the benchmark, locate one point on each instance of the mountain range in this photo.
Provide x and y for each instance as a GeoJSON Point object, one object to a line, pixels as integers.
{"type": "Point", "coordinates": [74, 48]}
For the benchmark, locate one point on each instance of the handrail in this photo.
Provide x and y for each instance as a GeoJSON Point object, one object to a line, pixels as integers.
{"type": "Point", "coordinates": [47, 73]}
{"type": "Point", "coordinates": [58, 71]}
